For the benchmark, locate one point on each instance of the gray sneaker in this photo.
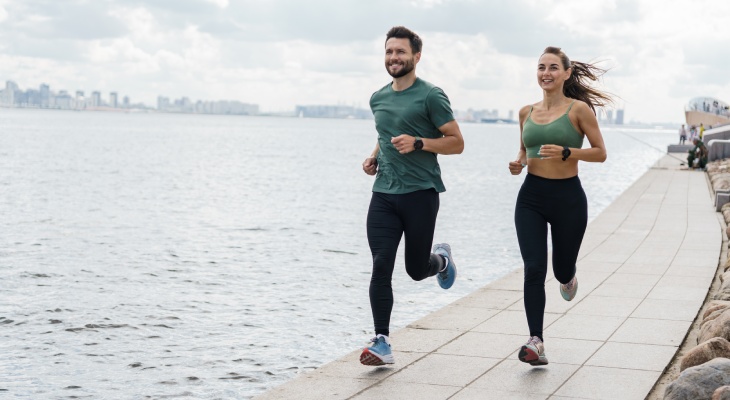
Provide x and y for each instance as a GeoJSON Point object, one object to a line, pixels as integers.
{"type": "Point", "coordinates": [569, 290]}
{"type": "Point", "coordinates": [533, 352]}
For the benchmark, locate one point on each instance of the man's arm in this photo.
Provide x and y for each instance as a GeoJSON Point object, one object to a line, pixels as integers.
{"type": "Point", "coordinates": [451, 143]}
{"type": "Point", "coordinates": [370, 165]}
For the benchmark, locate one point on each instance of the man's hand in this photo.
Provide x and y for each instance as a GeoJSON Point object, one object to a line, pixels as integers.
{"type": "Point", "coordinates": [404, 143]}
{"type": "Point", "coordinates": [370, 165]}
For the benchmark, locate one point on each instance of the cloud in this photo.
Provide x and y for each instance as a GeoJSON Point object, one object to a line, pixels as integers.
{"type": "Point", "coordinates": [279, 53]}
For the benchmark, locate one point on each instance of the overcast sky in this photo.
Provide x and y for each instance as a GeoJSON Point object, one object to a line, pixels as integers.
{"type": "Point", "coordinates": [281, 53]}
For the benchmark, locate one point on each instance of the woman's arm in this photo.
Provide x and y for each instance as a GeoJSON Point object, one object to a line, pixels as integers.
{"type": "Point", "coordinates": [588, 124]}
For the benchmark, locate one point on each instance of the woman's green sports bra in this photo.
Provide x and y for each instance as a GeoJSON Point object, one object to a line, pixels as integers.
{"type": "Point", "coordinates": [560, 132]}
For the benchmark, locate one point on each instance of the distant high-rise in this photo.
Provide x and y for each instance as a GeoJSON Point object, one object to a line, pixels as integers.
{"type": "Point", "coordinates": [609, 116]}
{"type": "Point", "coordinates": [125, 102]}
{"type": "Point", "coordinates": [9, 93]}
{"type": "Point", "coordinates": [113, 100]}
{"type": "Point", "coordinates": [163, 103]}
{"type": "Point", "coordinates": [45, 93]}
{"type": "Point", "coordinates": [619, 117]}
{"type": "Point", "coordinates": [96, 99]}
{"type": "Point", "coordinates": [80, 99]}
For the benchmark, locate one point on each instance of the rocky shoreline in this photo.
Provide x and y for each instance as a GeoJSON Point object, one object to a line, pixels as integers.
{"type": "Point", "coordinates": [701, 367]}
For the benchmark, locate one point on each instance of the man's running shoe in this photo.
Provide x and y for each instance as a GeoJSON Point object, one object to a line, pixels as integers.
{"type": "Point", "coordinates": [533, 352]}
{"type": "Point", "coordinates": [447, 276]}
{"type": "Point", "coordinates": [569, 290]}
{"type": "Point", "coordinates": [378, 352]}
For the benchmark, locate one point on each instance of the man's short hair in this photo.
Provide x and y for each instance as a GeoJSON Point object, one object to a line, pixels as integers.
{"type": "Point", "coordinates": [401, 32]}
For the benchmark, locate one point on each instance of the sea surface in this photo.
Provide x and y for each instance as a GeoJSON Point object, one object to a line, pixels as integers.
{"type": "Point", "coordinates": [215, 257]}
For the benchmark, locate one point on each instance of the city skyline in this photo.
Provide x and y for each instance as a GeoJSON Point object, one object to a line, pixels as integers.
{"type": "Point", "coordinates": [14, 96]}
{"type": "Point", "coordinates": [282, 53]}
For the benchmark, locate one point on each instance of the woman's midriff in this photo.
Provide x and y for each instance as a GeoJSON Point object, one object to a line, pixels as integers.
{"type": "Point", "coordinates": [552, 169]}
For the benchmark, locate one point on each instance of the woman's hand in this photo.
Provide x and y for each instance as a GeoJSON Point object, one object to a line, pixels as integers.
{"type": "Point", "coordinates": [550, 151]}
{"type": "Point", "coordinates": [515, 167]}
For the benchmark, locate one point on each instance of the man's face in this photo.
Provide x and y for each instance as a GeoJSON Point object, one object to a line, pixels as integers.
{"type": "Point", "coordinates": [399, 58]}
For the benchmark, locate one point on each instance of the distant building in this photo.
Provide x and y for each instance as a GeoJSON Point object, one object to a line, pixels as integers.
{"type": "Point", "coordinates": [609, 116]}
{"type": "Point", "coordinates": [95, 99]}
{"type": "Point", "coordinates": [80, 99]}
{"type": "Point", "coordinates": [45, 93]}
{"type": "Point", "coordinates": [325, 111]}
{"type": "Point", "coordinates": [163, 103]}
{"type": "Point", "coordinates": [113, 102]}
{"type": "Point", "coordinates": [63, 101]}
{"type": "Point", "coordinates": [619, 117]}
{"type": "Point", "coordinates": [8, 97]}
{"type": "Point", "coordinates": [125, 102]}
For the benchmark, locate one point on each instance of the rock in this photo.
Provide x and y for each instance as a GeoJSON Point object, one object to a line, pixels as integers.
{"type": "Point", "coordinates": [723, 293]}
{"type": "Point", "coordinates": [722, 393]}
{"type": "Point", "coordinates": [714, 306]}
{"type": "Point", "coordinates": [700, 382]}
{"type": "Point", "coordinates": [721, 296]}
{"type": "Point", "coordinates": [725, 286]}
{"type": "Point", "coordinates": [716, 327]}
{"type": "Point", "coordinates": [704, 352]}
{"type": "Point", "coordinates": [711, 316]}
{"type": "Point", "coordinates": [720, 181]}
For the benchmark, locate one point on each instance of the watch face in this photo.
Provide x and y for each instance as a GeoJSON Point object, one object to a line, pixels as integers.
{"type": "Point", "coordinates": [419, 144]}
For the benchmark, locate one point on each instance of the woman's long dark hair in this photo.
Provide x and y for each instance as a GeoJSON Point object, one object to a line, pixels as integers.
{"type": "Point", "coordinates": [576, 86]}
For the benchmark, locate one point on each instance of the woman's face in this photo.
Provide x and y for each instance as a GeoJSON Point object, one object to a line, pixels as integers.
{"type": "Point", "coordinates": [550, 72]}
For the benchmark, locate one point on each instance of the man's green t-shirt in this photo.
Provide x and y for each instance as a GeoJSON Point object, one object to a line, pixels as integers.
{"type": "Point", "coordinates": [417, 111]}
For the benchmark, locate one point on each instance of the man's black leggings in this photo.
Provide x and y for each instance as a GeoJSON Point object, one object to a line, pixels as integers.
{"type": "Point", "coordinates": [390, 216]}
{"type": "Point", "coordinates": [562, 204]}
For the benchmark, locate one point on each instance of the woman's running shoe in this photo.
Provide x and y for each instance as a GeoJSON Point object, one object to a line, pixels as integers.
{"type": "Point", "coordinates": [533, 352]}
{"type": "Point", "coordinates": [569, 290]}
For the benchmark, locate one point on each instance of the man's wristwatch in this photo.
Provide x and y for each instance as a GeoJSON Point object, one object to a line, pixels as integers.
{"type": "Point", "coordinates": [566, 152]}
{"type": "Point", "coordinates": [418, 144]}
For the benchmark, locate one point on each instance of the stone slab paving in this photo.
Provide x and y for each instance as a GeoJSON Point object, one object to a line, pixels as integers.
{"type": "Point", "coordinates": [644, 269]}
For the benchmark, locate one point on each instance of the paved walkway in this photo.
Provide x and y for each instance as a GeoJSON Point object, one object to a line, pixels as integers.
{"type": "Point", "coordinates": [644, 270]}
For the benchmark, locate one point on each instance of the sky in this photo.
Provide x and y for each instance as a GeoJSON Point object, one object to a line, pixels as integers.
{"type": "Point", "coordinates": [283, 53]}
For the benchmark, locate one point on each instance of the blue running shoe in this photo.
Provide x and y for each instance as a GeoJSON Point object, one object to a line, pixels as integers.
{"type": "Point", "coordinates": [448, 275]}
{"type": "Point", "coordinates": [377, 353]}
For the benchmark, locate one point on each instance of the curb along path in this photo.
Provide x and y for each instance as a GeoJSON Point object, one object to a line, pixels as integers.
{"type": "Point", "coordinates": [645, 267]}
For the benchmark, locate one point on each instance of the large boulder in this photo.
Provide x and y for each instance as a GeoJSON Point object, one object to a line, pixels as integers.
{"type": "Point", "coordinates": [722, 393]}
{"type": "Point", "coordinates": [700, 382]}
{"type": "Point", "coordinates": [704, 352]}
{"type": "Point", "coordinates": [716, 327]}
{"type": "Point", "coordinates": [713, 307]}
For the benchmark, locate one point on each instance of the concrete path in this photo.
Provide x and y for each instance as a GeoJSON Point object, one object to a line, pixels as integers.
{"type": "Point", "coordinates": [644, 270]}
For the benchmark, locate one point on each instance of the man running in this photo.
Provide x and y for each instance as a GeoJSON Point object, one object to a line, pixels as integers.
{"type": "Point", "coordinates": [414, 123]}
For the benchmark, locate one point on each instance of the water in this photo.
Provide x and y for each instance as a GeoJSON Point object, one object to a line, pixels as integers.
{"type": "Point", "coordinates": [156, 256]}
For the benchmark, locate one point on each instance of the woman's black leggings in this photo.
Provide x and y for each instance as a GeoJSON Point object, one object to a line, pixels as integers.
{"type": "Point", "coordinates": [390, 216]}
{"type": "Point", "coordinates": [562, 204]}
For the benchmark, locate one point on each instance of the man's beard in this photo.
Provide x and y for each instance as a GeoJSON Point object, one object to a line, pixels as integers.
{"type": "Point", "coordinates": [405, 70]}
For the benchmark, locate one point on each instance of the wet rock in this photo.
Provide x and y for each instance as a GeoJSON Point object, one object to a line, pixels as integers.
{"type": "Point", "coordinates": [722, 393]}
{"type": "Point", "coordinates": [701, 381]}
{"type": "Point", "coordinates": [716, 327]}
{"type": "Point", "coordinates": [704, 352]}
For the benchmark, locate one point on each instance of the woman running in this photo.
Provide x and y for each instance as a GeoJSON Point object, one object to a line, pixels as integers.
{"type": "Point", "coordinates": [551, 141]}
